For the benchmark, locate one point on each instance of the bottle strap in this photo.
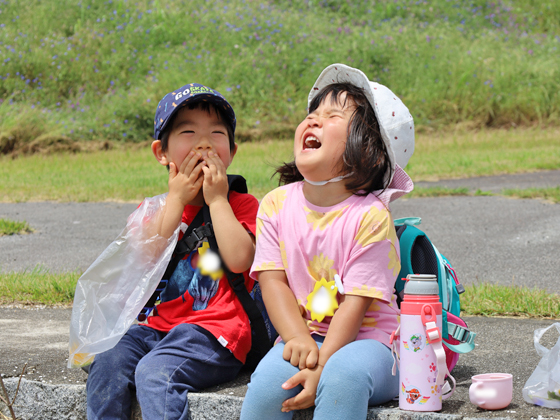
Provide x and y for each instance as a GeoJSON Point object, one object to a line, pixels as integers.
{"type": "Point", "coordinates": [447, 391]}
{"type": "Point", "coordinates": [434, 334]}
{"type": "Point", "coordinates": [395, 349]}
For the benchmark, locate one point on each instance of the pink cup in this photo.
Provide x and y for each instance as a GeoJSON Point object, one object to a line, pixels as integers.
{"type": "Point", "coordinates": [491, 391]}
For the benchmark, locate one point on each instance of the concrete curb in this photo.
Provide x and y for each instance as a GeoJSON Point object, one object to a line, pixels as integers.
{"type": "Point", "coordinates": [37, 400]}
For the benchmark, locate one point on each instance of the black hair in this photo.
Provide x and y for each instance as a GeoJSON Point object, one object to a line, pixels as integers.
{"type": "Point", "coordinates": [203, 106]}
{"type": "Point", "coordinates": [365, 155]}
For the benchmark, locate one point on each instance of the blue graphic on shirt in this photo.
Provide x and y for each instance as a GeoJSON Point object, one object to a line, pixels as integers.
{"type": "Point", "coordinates": [187, 279]}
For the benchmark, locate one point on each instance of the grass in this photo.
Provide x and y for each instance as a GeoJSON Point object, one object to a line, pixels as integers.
{"type": "Point", "coordinates": [467, 153]}
{"type": "Point", "coordinates": [11, 227]}
{"type": "Point", "coordinates": [44, 288]}
{"type": "Point", "coordinates": [116, 175]}
{"type": "Point", "coordinates": [549, 194]}
{"type": "Point", "coordinates": [38, 287]}
{"type": "Point", "coordinates": [93, 70]}
{"type": "Point", "coordinates": [492, 300]}
{"type": "Point", "coordinates": [437, 192]}
{"type": "Point", "coordinates": [131, 173]}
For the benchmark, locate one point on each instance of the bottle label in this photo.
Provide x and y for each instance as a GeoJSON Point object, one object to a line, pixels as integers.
{"type": "Point", "coordinates": [416, 342]}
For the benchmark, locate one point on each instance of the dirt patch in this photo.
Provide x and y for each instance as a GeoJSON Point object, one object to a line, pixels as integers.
{"type": "Point", "coordinates": [15, 146]}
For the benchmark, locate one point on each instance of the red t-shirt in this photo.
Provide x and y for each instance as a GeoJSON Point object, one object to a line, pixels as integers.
{"type": "Point", "coordinates": [224, 317]}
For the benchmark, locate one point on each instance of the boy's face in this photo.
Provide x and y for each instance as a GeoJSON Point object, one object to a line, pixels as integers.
{"type": "Point", "coordinates": [199, 131]}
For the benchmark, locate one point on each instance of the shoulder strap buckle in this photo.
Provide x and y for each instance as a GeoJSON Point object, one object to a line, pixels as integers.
{"type": "Point", "coordinates": [187, 244]}
{"type": "Point", "coordinates": [459, 333]}
{"type": "Point", "coordinates": [198, 234]}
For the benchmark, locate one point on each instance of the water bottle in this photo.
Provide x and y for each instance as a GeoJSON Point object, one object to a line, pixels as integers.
{"type": "Point", "coordinates": [422, 366]}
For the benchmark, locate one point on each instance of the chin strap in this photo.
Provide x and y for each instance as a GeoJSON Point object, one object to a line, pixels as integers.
{"type": "Point", "coordinates": [336, 179]}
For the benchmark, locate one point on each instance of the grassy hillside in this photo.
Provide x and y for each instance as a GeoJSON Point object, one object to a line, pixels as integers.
{"type": "Point", "coordinates": [91, 69]}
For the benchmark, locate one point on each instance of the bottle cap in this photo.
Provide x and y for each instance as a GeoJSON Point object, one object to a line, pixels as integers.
{"type": "Point", "coordinates": [421, 284]}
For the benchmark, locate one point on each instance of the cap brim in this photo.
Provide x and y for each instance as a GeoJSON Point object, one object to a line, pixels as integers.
{"type": "Point", "coordinates": [215, 99]}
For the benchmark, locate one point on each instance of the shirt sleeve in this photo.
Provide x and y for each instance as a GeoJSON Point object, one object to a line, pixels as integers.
{"type": "Point", "coordinates": [245, 208]}
{"type": "Point", "coordinates": [374, 262]}
{"type": "Point", "coordinates": [268, 254]}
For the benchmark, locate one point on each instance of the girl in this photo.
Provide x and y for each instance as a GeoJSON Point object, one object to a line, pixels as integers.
{"type": "Point", "coordinates": [327, 254]}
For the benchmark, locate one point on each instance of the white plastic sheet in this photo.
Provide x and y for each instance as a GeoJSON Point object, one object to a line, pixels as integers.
{"type": "Point", "coordinates": [543, 386]}
{"type": "Point", "coordinates": [113, 290]}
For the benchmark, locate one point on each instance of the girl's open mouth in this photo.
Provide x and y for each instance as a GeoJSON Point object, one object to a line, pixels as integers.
{"type": "Point", "coordinates": [311, 142]}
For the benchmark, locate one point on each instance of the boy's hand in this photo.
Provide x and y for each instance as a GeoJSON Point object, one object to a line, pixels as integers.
{"type": "Point", "coordinates": [301, 351]}
{"type": "Point", "coordinates": [215, 185]}
{"type": "Point", "coordinates": [185, 182]}
{"type": "Point", "coordinates": [309, 379]}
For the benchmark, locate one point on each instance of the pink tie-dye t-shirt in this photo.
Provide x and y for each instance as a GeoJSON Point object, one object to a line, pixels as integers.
{"type": "Point", "coordinates": [354, 239]}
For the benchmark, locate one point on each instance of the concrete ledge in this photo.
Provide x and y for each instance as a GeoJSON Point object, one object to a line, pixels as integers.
{"type": "Point", "coordinates": [37, 400]}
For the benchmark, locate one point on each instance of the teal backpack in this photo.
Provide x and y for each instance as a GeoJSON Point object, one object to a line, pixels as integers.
{"type": "Point", "coordinates": [420, 256]}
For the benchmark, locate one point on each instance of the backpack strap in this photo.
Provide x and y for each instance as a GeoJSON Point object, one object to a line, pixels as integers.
{"type": "Point", "coordinates": [445, 286]}
{"type": "Point", "coordinates": [460, 348]}
{"type": "Point", "coordinates": [405, 243]}
{"type": "Point", "coordinates": [237, 183]}
{"type": "Point", "coordinates": [183, 247]}
{"type": "Point", "coordinates": [460, 333]}
{"type": "Point", "coordinates": [187, 245]}
{"type": "Point", "coordinates": [195, 232]}
{"type": "Point", "coordinates": [408, 221]}
{"type": "Point", "coordinates": [260, 342]}
{"type": "Point", "coordinates": [463, 335]}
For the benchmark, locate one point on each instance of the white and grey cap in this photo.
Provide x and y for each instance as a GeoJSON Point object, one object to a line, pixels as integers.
{"type": "Point", "coordinates": [395, 121]}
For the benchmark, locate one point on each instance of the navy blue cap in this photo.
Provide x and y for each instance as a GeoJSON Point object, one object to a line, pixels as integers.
{"type": "Point", "coordinates": [190, 93]}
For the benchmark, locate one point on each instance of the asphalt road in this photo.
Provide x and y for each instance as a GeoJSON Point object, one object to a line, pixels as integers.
{"type": "Point", "coordinates": [487, 238]}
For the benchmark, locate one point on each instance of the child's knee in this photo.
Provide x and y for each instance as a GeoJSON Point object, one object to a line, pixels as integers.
{"type": "Point", "coordinates": [109, 363]}
{"type": "Point", "coordinates": [149, 375]}
{"type": "Point", "coordinates": [269, 375]}
{"type": "Point", "coordinates": [264, 397]}
{"type": "Point", "coordinates": [265, 387]}
{"type": "Point", "coordinates": [342, 377]}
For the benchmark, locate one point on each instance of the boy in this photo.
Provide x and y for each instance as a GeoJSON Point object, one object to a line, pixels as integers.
{"type": "Point", "coordinates": [199, 335]}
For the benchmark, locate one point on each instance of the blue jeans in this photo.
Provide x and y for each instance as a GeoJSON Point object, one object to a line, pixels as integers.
{"type": "Point", "coordinates": [159, 369]}
{"type": "Point", "coordinates": [357, 375]}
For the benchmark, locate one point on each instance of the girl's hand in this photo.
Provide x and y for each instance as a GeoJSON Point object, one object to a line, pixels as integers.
{"type": "Point", "coordinates": [309, 379]}
{"type": "Point", "coordinates": [301, 351]}
{"type": "Point", "coordinates": [215, 185]}
{"type": "Point", "coordinates": [185, 182]}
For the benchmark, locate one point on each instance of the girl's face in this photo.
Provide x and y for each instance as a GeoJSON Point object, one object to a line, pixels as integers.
{"type": "Point", "coordinates": [320, 139]}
